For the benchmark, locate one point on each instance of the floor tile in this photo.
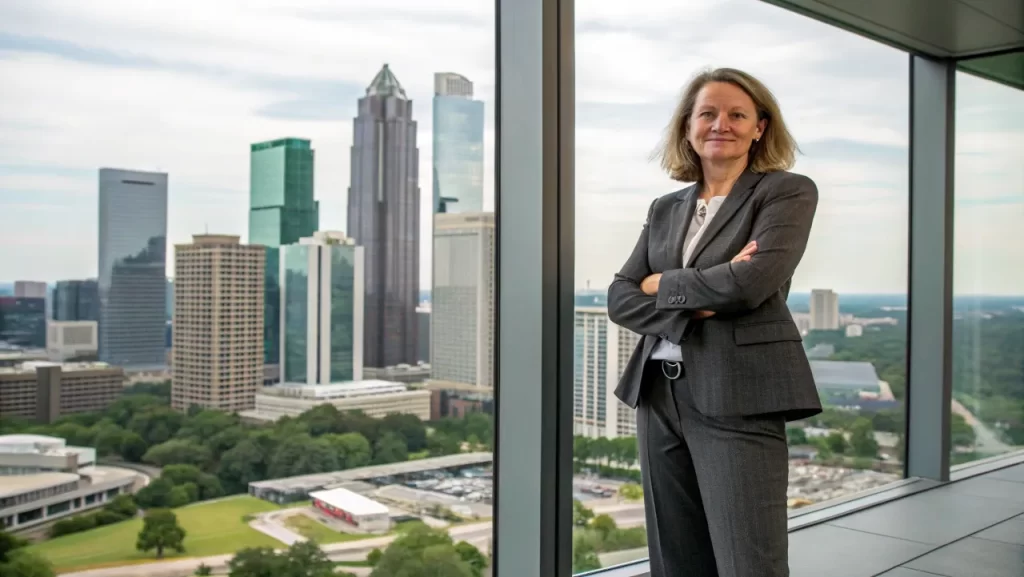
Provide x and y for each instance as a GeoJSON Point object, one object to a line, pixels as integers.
{"type": "Point", "coordinates": [1015, 473]}
{"type": "Point", "coordinates": [837, 552]}
{"type": "Point", "coordinates": [905, 572]}
{"type": "Point", "coordinates": [936, 517]}
{"type": "Point", "coordinates": [1011, 531]}
{"type": "Point", "coordinates": [974, 558]}
{"type": "Point", "coordinates": [992, 488]}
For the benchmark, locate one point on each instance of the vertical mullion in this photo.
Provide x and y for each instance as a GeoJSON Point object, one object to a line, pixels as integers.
{"type": "Point", "coordinates": [533, 362]}
{"type": "Point", "coordinates": [930, 312]}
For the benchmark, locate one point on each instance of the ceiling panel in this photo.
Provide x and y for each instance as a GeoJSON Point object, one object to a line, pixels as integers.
{"type": "Point", "coordinates": [940, 28]}
{"type": "Point", "coordinates": [1007, 69]}
{"type": "Point", "coordinates": [1010, 12]}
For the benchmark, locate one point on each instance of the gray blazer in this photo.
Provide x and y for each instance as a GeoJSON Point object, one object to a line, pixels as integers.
{"type": "Point", "coordinates": [747, 359]}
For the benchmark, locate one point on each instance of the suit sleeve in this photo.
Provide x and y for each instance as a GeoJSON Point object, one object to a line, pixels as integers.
{"type": "Point", "coordinates": [781, 229]}
{"type": "Point", "coordinates": [629, 307]}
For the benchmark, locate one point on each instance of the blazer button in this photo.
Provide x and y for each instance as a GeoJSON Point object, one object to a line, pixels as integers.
{"type": "Point", "coordinates": [681, 299]}
{"type": "Point", "coordinates": [671, 300]}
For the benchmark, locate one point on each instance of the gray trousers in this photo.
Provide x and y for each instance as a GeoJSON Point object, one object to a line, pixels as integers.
{"type": "Point", "coordinates": [714, 488]}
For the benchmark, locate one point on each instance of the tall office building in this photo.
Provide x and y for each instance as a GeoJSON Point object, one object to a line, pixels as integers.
{"type": "Point", "coordinates": [23, 322]}
{"type": "Point", "coordinates": [218, 323]}
{"type": "Point", "coordinates": [132, 267]}
{"type": "Point", "coordinates": [27, 289]}
{"type": "Point", "coordinates": [824, 310]}
{"type": "Point", "coordinates": [281, 211]}
{"type": "Point", "coordinates": [462, 302]}
{"type": "Point", "coordinates": [322, 310]}
{"type": "Point", "coordinates": [458, 153]}
{"type": "Point", "coordinates": [384, 218]}
{"type": "Point", "coordinates": [602, 350]}
{"type": "Point", "coordinates": [76, 300]}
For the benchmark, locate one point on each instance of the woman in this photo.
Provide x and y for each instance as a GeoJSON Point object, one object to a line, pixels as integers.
{"type": "Point", "coordinates": [720, 367]}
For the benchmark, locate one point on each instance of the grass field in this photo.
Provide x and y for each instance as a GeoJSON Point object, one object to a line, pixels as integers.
{"type": "Point", "coordinates": [213, 528]}
{"type": "Point", "coordinates": [317, 531]}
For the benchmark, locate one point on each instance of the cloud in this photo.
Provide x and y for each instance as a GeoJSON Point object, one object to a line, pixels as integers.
{"type": "Point", "coordinates": [187, 87]}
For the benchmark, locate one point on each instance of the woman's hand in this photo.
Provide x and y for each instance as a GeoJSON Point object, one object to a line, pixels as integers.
{"type": "Point", "coordinates": [650, 284]}
{"type": "Point", "coordinates": [744, 255]}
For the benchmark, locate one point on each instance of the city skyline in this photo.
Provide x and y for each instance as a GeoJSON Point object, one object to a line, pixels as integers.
{"type": "Point", "coordinates": [844, 98]}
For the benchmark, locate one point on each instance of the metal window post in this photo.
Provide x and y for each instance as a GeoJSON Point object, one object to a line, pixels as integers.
{"type": "Point", "coordinates": [534, 205]}
{"type": "Point", "coordinates": [930, 312]}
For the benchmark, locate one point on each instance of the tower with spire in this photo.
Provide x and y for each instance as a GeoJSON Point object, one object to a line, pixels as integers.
{"type": "Point", "coordinates": [383, 217]}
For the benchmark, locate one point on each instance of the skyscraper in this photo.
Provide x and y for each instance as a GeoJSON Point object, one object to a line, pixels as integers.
{"type": "Point", "coordinates": [383, 217]}
{"type": "Point", "coordinates": [462, 302]}
{"type": "Point", "coordinates": [281, 211]}
{"type": "Point", "coordinates": [28, 289]}
{"type": "Point", "coordinates": [602, 350]}
{"type": "Point", "coordinates": [132, 267]}
{"type": "Point", "coordinates": [218, 323]}
{"type": "Point", "coordinates": [824, 310]}
{"type": "Point", "coordinates": [76, 300]}
{"type": "Point", "coordinates": [322, 310]}
{"type": "Point", "coordinates": [458, 147]}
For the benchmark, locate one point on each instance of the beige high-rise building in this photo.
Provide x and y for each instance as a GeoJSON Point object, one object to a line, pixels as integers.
{"type": "Point", "coordinates": [602, 350]}
{"type": "Point", "coordinates": [824, 310]}
{"type": "Point", "coordinates": [217, 358]}
{"type": "Point", "coordinates": [462, 300]}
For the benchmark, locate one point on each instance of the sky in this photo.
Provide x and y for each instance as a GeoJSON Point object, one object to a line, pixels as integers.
{"type": "Point", "coordinates": [185, 87]}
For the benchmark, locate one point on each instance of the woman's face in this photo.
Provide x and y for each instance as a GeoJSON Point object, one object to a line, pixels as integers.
{"type": "Point", "coordinates": [724, 122]}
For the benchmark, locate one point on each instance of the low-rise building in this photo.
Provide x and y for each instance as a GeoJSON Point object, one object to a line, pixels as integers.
{"type": "Point", "coordinates": [374, 398]}
{"type": "Point", "coordinates": [46, 391]}
{"type": "Point", "coordinates": [42, 480]}
{"type": "Point", "coordinates": [362, 513]}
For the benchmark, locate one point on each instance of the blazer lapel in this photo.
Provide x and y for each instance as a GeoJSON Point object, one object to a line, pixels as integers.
{"type": "Point", "coordinates": [736, 198]}
{"type": "Point", "coordinates": [682, 216]}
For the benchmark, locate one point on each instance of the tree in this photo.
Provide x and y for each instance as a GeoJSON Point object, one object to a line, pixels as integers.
{"type": "Point", "coordinates": [241, 465]}
{"type": "Point", "coordinates": [409, 427]}
{"type": "Point", "coordinates": [581, 515]}
{"type": "Point", "coordinates": [584, 557]}
{"type": "Point", "coordinates": [203, 570]}
{"type": "Point", "coordinates": [390, 448]}
{"type": "Point", "coordinates": [123, 505]}
{"type": "Point", "coordinates": [133, 447]}
{"type": "Point", "coordinates": [472, 556]}
{"type": "Point", "coordinates": [603, 524]}
{"type": "Point", "coordinates": [156, 424]}
{"type": "Point", "coordinates": [836, 442]}
{"type": "Point", "coordinates": [178, 452]}
{"type": "Point", "coordinates": [24, 563]}
{"type": "Point", "coordinates": [796, 436]}
{"type": "Point", "coordinates": [862, 439]}
{"type": "Point", "coordinates": [373, 557]}
{"type": "Point", "coordinates": [156, 494]}
{"type": "Point", "coordinates": [631, 491]}
{"type": "Point", "coordinates": [160, 531]}
{"type": "Point", "coordinates": [422, 552]}
{"type": "Point", "coordinates": [961, 434]}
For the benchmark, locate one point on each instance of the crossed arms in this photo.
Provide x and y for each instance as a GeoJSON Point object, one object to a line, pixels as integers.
{"type": "Point", "coordinates": [781, 229]}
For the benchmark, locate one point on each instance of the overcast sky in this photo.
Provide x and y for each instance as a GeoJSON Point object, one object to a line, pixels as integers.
{"type": "Point", "coordinates": [185, 87]}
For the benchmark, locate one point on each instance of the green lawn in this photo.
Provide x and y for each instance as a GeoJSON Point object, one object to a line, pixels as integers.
{"type": "Point", "coordinates": [212, 529]}
{"type": "Point", "coordinates": [317, 531]}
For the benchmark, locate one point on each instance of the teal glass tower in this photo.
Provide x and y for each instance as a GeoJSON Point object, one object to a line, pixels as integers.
{"type": "Point", "coordinates": [322, 310]}
{"type": "Point", "coordinates": [281, 211]}
{"type": "Point", "coordinates": [458, 167]}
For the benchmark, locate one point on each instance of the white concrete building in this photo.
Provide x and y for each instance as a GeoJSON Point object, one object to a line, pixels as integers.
{"type": "Point", "coordinates": [362, 513]}
{"type": "Point", "coordinates": [602, 350]}
{"type": "Point", "coordinates": [71, 339]}
{"type": "Point", "coordinates": [824, 310]}
{"type": "Point", "coordinates": [374, 398]}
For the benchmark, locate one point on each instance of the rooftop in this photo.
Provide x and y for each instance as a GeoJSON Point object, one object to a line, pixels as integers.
{"type": "Point", "coordinates": [321, 480]}
{"type": "Point", "coordinates": [290, 143]}
{"type": "Point", "coordinates": [844, 374]}
{"type": "Point", "coordinates": [386, 84]}
{"type": "Point", "coordinates": [16, 484]}
{"type": "Point", "coordinates": [352, 503]}
{"type": "Point", "coordinates": [335, 390]}
{"type": "Point", "coordinates": [31, 366]}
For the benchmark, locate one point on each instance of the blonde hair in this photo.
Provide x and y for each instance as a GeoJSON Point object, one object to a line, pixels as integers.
{"type": "Point", "coordinates": [775, 150]}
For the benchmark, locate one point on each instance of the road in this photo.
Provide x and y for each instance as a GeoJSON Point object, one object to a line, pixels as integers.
{"type": "Point", "coordinates": [985, 439]}
{"type": "Point", "coordinates": [477, 534]}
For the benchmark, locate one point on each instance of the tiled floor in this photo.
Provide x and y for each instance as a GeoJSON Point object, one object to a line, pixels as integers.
{"type": "Point", "coordinates": [969, 528]}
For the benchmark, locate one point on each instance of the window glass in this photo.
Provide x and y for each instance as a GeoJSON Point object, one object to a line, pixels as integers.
{"type": "Point", "coordinates": [845, 100]}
